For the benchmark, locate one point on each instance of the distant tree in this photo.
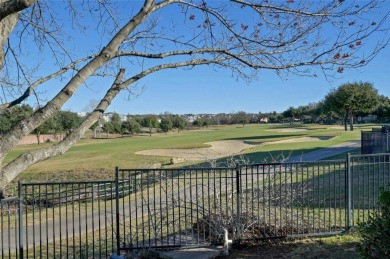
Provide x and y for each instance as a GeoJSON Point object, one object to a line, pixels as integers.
{"type": "Point", "coordinates": [290, 114]}
{"type": "Point", "coordinates": [301, 112]}
{"type": "Point", "coordinates": [108, 128]}
{"type": "Point", "coordinates": [197, 123]}
{"type": "Point", "coordinates": [116, 123]}
{"type": "Point", "coordinates": [68, 120]}
{"type": "Point", "coordinates": [166, 124]}
{"type": "Point", "coordinates": [240, 117]}
{"type": "Point", "coordinates": [275, 117]}
{"type": "Point", "coordinates": [53, 125]}
{"type": "Point", "coordinates": [223, 119]}
{"type": "Point", "coordinates": [383, 110]}
{"type": "Point", "coordinates": [178, 122]}
{"type": "Point", "coordinates": [206, 122]}
{"type": "Point", "coordinates": [13, 116]}
{"type": "Point", "coordinates": [311, 112]}
{"type": "Point", "coordinates": [150, 122]}
{"type": "Point", "coordinates": [96, 126]}
{"type": "Point", "coordinates": [131, 126]}
{"type": "Point", "coordinates": [352, 98]}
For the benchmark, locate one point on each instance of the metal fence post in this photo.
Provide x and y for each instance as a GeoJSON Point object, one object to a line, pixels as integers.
{"type": "Point", "coordinates": [348, 183]}
{"type": "Point", "coordinates": [117, 210]}
{"type": "Point", "coordinates": [238, 194]}
{"type": "Point", "coordinates": [20, 185]}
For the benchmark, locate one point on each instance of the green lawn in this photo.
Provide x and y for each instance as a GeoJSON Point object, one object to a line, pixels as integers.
{"type": "Point", "coordinates": [98, 157]}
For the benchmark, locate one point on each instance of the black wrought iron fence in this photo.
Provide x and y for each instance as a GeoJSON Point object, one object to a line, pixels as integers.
{"type": "Point", "coordinates": [292, 199]}
{"type": "Point", "coordinates": [375, 141]}
{"type": "Point", "coordinates": [176, 207]}
{"type": "Point", "coordinates": [9, 231]}
{"type": "Point", "coordinates": [145, 208]}
{"type": "Point", "coordinates": [368, 174]}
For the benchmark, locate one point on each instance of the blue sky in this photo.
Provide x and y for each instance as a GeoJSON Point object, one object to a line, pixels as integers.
{"type": "Point", "coordinates": [204, 90]}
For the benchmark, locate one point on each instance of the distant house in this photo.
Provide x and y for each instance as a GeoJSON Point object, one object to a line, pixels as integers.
{"type": "Point", "coordinates": [367, 119]}
{"type": "Point", "coordinates": [82, 114]}
{"type": "Point", "coordinates": [263, 120]}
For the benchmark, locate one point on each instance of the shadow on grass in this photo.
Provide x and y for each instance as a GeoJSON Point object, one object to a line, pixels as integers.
{"type": "Point", "coordinates": [254, 158]}
{"type": "Point", "coordinates": [329, 248]}
{"type": "Point", "coordinates": [267, 137]}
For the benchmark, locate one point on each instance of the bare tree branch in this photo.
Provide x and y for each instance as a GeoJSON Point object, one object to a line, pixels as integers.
{"type": "Point", "coordinates": [40, 81]}
{"type": "Point", "coordinates": [8, 7]}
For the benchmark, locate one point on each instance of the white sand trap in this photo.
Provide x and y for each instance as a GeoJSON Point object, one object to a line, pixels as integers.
{"type": "Point", "coordinates": [216, 150]}
{"type": "Point", "coordinates": [303, 139]}
{"type": "Point", "coordinates": [337, 127]}
{"type": "Point", "coordinates": [287, 130]}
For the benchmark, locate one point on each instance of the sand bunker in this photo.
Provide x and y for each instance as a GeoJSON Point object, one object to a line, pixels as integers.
{"type": "Point", "coordinates": [287, 130]}
{"type": "Point", "coordinates": [303, 139]}
{"type": "Point", "coordinates": [216, 150]}
{"type": "Point", "coordinates": [337, 127]}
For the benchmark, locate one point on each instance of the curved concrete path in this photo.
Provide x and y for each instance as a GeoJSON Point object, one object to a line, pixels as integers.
{"type": "Point", "coordinates": [326, 152]}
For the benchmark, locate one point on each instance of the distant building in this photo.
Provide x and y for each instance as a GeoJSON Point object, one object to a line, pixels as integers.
{"type": "Point", "coordinates": [367, 119]}
{"type": "Point", "coordinates": [82, 114]}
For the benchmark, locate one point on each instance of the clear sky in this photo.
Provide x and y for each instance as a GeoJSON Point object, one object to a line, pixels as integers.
{"type": "Point", "coordinates": [205, 90]}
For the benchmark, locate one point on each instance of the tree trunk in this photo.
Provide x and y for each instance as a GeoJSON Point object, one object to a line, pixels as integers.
{"type": "Point", "coordinates": [346, 123]}
{"type": "Point", "coordinates": [38, 137]}
{"type": "Point", "coordinates": [19, 164]}
{"type": "Point", "coordinates": [351, 122]}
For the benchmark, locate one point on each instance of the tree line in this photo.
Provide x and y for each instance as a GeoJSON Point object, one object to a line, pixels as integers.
{"type": "Point", "coordinates": [344, 104]}
{"type": "Point", "coordinates": [134, 124]}
{"type": "Point", "coordinates": [62, 122]}
{"type": "Point", "coordinates": [340, 105]}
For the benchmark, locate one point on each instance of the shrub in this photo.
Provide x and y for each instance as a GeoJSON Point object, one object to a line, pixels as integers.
{"type": "Point", "coordinates": [375, 233]}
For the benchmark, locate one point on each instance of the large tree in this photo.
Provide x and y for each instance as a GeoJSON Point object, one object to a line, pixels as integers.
{"type": "Point", "coordinates": [150, 122]}
{"type": "Point", "coordinates": [166, 124]}
{"type": "Point", "coordinates": [294, 36]}
{"type": "Point", "coordinates": [240, 117]}
{"type": "Point", "coordinates": [291, 113]}
{"type": "Point", "coordinates": [383, 110]}
{"type": "Point", "coordinates": [350, 99]}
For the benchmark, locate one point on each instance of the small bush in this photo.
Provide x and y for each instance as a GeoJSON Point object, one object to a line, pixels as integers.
{"type": "Point", "coordinates": [375, 232]}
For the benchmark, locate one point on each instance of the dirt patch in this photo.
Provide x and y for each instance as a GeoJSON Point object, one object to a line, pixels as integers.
{"type": "Point", "coordinates": [216, 150]}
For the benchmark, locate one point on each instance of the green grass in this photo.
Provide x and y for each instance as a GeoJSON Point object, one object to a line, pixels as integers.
{"type": "Point", "coordinates": [97, 158]}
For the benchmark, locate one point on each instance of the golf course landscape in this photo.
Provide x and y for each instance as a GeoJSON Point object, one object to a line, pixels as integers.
{"type": "Point", "coordinates": [257, 143]}
{"type": "Point", "coordinates": [95, 159]}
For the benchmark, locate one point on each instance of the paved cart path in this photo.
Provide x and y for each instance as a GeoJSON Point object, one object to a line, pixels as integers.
{"type": "Point", "coordinates": [326, 152]}
{"type": "Point", "coordinates": [57, 230]}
